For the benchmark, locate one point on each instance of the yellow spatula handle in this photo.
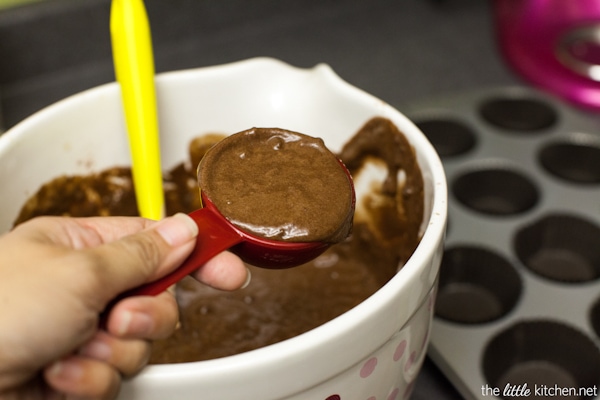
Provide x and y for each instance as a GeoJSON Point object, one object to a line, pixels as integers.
{"type": "Point", "coordinates": [134, 69]}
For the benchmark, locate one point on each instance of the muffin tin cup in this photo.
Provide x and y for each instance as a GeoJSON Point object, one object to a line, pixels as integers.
{"type": "Point", "coordinates": [519, 295]}
{"type": "Point", "coordinates": [542, 355]}
{"type": "Point", "coordinates": [595, 317]}
{"type": "Point", "coordinates": [476, 286]}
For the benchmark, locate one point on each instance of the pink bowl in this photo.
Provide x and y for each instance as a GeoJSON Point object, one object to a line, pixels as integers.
{"type": "Point", "coordinates": [555, 44]}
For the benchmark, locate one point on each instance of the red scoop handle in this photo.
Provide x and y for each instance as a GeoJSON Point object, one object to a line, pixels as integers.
{"type": "Point", "coordinates": [214, 236]}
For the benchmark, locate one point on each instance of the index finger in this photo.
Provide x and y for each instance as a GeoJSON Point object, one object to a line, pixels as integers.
{"type": "Point", "coordinates": [79, 233]}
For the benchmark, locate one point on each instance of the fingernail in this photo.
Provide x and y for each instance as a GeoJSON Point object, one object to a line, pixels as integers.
{"type": "Point", "coordinates": [96, 349]}
{"type": "Point", "coordinates": [134, 323]}
{"type": "Point", "coordinates": [248, 279]}
{"type": "Point", "coordinates": [65, 369]}
{"type": "Point", "coordinates": [177, 230]}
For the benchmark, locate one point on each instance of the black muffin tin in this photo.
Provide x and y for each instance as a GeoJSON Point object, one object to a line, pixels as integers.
{"type": "Point", "coordinates": [518, 302]}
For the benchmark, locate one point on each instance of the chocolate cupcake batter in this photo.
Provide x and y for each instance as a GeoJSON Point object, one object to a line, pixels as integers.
{"type": "Point", "coordinates": [280, 185]}
{"type": "Point", "coordinates": [278, 304]}
{"type": "Point", "coordinates": [395, 210]}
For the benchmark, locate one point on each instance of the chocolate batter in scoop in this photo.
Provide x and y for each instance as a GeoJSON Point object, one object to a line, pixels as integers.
{"type": "Point", "coordinates": [279, 185]}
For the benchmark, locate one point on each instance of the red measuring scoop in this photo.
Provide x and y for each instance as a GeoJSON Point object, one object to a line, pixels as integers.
{"type": "Point", "coordinates": [217, 234]}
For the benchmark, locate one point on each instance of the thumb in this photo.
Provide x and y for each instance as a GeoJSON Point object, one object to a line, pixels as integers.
{"type": "Point", "coordinates": [143, 256]}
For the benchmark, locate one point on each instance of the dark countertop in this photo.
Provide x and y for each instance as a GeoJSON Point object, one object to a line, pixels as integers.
{"type": "Point", "coordinates": [400, 51]}
{"type": "Point", "coordinates": [397, 50]}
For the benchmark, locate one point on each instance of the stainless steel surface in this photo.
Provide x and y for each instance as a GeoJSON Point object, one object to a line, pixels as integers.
{"type": "Point", "coordinates": [458, 346]}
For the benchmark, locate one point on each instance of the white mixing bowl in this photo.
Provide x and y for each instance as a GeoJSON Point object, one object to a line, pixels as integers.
{"type": "Point", "coordinates": [375, 350]}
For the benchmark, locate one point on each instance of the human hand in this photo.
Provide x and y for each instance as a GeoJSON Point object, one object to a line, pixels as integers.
{"type": "Point", "coordinates": [58, 274]}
